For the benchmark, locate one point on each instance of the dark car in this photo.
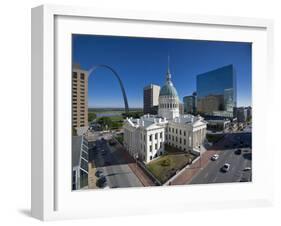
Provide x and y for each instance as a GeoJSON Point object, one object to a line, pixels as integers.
{"type": "Point", "coordinates": [112, 142]}
{"type": "Point", "coordinates": [107, 163]}
{"type": "Point", "coordinates": [225, 167]}
{"type": "Point", "coordinates": [98, 173]}
{"type": "Point", "coordinates": [238, 152]}
{"type": "Point", "coordinates": [244, 180]}
{"type": "Point", "coordinates": [102, 182]}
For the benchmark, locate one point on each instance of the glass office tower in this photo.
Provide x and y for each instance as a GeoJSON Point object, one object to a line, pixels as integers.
{"type": "Point", "coordinates": [216, 91]}
{"type": "Point", "coordinates": [189, 103]}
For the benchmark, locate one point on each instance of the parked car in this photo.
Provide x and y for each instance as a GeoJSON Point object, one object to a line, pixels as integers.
{"type": "Point", "coordinates": [112, 142]}
{"type": "Point", "coordinates": [238, 152]}
{"type": "Point", "coordinates": [225, 167]}
{"type": "Point", "coordinates": [107, 162]}
{"type": "Point", "coordinates": [215, 157]}
{"type": "Point", "coordinates": [98, 173]}
{"type": "Point", "coordinates": [102, 182]}
{"type": "Point", "coordinates": [244, 180]}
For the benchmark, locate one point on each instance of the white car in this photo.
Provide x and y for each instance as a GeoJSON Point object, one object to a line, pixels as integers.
{"type": "Point", "coordinates": [247, 168]}
{"type": "Point", "coordinates": [215, 157]}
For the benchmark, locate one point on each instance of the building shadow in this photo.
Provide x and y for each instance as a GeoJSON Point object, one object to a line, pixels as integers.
{"type": "Point", "coordinates": [26, 212]}
{"type": "Point", "coordinates": [111, 158]}
{"type": "Point", "coordinates": [233, 141]}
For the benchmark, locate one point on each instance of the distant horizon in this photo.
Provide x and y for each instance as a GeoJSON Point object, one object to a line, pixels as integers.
{"type": "Point", "coordinates": [141, 107]}
{"type": "Point", "coordinates": [143, 61]}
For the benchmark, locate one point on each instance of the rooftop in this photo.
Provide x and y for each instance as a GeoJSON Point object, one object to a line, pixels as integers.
{"type": "Point", "coordinates": [148, 120]}
{"type": "Point", "coordinates": [76, 150]}
{"type": "Point", "coordinates": [79, 150]}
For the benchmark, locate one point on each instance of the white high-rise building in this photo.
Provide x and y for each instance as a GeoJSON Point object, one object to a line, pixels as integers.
{"type": "Point", "coordinates": [150, 99]}
{"type": "Point", "coordinates": [145, 138]}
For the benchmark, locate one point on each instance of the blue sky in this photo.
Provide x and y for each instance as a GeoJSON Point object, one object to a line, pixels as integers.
{"type": "Point", "coordinates": [141, 61]}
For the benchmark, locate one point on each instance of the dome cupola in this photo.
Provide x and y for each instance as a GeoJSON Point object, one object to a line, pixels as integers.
{"type": "Point", "coordinates": [168, 89]}
{"type": "Point", "coordinates": [168, 98]}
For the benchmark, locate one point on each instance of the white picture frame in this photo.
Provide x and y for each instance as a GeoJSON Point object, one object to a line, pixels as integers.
{"type": "Point", "coordinates": [52, 198]}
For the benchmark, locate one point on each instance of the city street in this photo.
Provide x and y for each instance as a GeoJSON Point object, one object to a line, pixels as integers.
{"type": "Point", "coordinates": [228, 154]}
{"type": "Point", "coordinates": [113, 166]}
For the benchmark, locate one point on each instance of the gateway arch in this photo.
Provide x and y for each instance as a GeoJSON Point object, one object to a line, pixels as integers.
{"type": "Point", "coordinates": [118, 78]}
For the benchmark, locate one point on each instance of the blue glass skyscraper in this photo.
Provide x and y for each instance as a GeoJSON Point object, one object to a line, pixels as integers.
{"type": "Point", "coordinates": [216, 91]}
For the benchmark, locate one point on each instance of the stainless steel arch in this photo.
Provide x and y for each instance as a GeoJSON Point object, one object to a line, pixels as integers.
{"type": "Point", "coordinates": [119, 80]}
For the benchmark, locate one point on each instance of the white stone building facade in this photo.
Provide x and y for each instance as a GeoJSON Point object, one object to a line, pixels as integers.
{"type": "Point", "coordinates": [145, 138]}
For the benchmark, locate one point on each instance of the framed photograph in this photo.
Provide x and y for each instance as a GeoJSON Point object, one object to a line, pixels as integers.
{"type": "Point", "coordinates": [137, 112]}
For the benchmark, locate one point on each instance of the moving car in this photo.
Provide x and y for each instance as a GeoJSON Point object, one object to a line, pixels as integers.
{"type": "Point", "coordinates": [225, 167]}
{"type": "Point", "coordinates": [215, 157]}
{"type": "Point", "coordinates": [247, 168]}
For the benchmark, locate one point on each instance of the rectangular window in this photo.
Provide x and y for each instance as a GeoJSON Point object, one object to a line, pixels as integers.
{"type": "Point", "coordinates": [82, 76]}
{"type": "Point", "coordinates": [169, 129]}
{"type": "Point", "coordinates": [176, 131]}
{"type": "Point", "coordinates": [74, 74]}
{"type": "Point", "coordinates": [180, 131]}
{"type": "Point", "coordinates": [156, 136]}
{"type": "Point", "coordinates": [180, 140]}
{"type": "Point", "coordinates": [184, 141]}
{"type": "Point", "coordinates": [172, 129]}
{"type": "Point", "coordinates": [184, 133]}
{"type": "Point", "coordinates": [150, 148]}
{"type": "Point", "coordinates": [150, 137]}
{"type": "Point", "coordinates": [161, 134]}
{"type": "Point", "coordinates": [156, 147]}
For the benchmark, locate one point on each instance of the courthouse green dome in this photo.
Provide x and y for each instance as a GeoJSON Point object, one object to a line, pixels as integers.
{"type": "Point", "coordinates": [168, 90]}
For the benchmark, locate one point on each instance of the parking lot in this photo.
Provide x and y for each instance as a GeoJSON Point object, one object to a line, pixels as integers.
{"type": "Point", "coordinates": [111, 169]}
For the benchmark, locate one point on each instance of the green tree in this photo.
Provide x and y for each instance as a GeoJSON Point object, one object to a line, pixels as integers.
{"type": "Point", "coordinates": [74, 132]}
{"type": "Point", "coordinates": [91, 116]}
{"type": "Point", "coordinates": [105, 122]}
